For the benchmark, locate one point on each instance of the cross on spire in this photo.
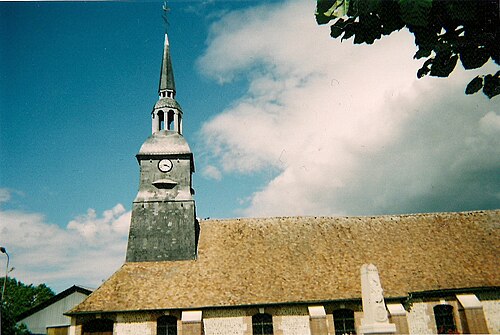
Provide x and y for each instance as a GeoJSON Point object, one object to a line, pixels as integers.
{"type": "Point", "coordinates": [165, 9]}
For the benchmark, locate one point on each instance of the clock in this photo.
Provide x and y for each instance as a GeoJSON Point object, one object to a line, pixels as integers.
{"type": "Point", "coordinates": [165, 165]}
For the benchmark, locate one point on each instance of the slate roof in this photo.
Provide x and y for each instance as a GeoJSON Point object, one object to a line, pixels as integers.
{"type": "Point", "coordinates": [311, 259]}
{"type": "Point", "coordinates": [166, 73]}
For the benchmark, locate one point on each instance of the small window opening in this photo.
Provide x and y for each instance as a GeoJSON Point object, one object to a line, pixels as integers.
{"type": "Point", "coordinates": [343, 321]}
{"type": "Point", "coordinates": [170, 120]}
{"type": "Point", "coordinates": [161, 120]}
{"type": "Point", "coordinates": [262, 324]}
{"type": "Point", "coordinates": [166, 325]}
{"type": "Point", "coordinates": [98, 327]}
{"type": "Point", "coordinates": [445, 322]}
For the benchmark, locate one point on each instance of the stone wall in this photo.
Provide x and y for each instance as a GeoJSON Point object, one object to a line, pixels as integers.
{"type": "Point", "coordinates": [293, 320]}
{"type": "Point", "coordinates": [419, 319]}
{"type": "Point", "coordinates": [492, 314]}
{"type": "Point", "coordinates": [135, 323]}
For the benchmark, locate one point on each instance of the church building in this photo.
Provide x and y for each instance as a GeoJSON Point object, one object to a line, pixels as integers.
{"type": "Point", "coordinates": [439, 272]}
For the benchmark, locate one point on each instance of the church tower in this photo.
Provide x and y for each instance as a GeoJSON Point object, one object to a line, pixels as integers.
{"type": "Point", "coordinates": [163, 225]}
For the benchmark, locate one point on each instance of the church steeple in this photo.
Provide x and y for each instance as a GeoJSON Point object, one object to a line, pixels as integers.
{"type": "Point", "coordinates": [167, 113]}
{"type": "Point", "coordinates": [163, 225]}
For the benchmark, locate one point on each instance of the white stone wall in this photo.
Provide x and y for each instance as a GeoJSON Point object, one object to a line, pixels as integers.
{"type": "Point", "coordinates": [294, 325]}
{"type": "Point", "coordinates": [419, 320]}
{"type": "Point", "coordinates": [225, 326]}
{"type": "Point", "coordinates": [491, 310]}
{"type": "Point", "coordinates": [133, 324]}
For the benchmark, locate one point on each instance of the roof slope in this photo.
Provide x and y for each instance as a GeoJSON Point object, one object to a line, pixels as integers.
{"type": "Point", "coordinates": [53, 300]}
{"type": "Point", "coordinates": [167, 72]}
{"type": "Point", "coordinates": [307, 259]}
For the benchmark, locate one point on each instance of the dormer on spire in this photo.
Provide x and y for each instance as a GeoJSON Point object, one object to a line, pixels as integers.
{"type": "Point", "coordinates": [167, 113]}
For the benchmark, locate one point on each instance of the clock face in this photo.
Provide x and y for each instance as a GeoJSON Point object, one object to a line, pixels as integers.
{"type": "Point", "coordinates": [165, 165]}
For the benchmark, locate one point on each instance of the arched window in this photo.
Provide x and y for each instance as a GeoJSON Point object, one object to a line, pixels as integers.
{"type": "Point", "coordinates": [166, 325]}
{"type": "Point", "coordinates": [161, 120]}
{"type": "Point", "coordinates": [343, 321]}
{"type": "Point", "coordinates": [98, 327]}
{"type": "Point", "coordinates": [445, 322]}
{"type": "Point", "coordinates": [170, 120]}
{"type": "Point", "coordinates": [262, 324]}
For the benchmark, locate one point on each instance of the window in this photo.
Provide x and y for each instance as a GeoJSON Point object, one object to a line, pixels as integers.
{"type": "Point", "coordinates": [170, 120]}
{"type": "Point", "coordinates": [262, 324]}
{"type": "Point", "coordinates": [445, 322]}
{"type": "Point", "coordinates": [343, 321]}
{"type": "Point", "coordinates": [98, 327]}
{"type": "Point", "coordinates": [166, 325]}
{"type": "Point", "coordinates": [161, 120]}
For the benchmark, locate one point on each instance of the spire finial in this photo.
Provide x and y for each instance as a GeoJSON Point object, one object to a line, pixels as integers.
{"type": "Point", "coordinates": [165, 9]}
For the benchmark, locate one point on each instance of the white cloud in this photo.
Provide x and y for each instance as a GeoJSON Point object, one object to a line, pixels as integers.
{"type": "Point", "coordinates": [4, 195]}
{"type": "Point", "coordinates": [490, 123]}
{"type": "Point", "coordinates": [86, 252]}
{"type": "Point", "coordinates": [348, 128]}
{"type": "Point", "coordinates": [113, 220]}
{"type": "Point", "coordinates": [211, 172]}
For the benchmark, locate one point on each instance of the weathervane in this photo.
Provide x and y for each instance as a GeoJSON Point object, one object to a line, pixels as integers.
{"type": "Point", "coordinates": [166, 9]}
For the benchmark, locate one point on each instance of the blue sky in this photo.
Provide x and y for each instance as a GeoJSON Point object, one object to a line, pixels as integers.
{"type": "Point", "coordinates": [282, 121]}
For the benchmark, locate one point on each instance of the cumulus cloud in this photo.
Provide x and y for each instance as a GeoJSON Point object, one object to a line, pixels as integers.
{"type": "Point", "coordinates": [347, 128]}
{"type": "Point", "coordinates": [115, 220]}
{"type": "Point", "coordinates": [85, 252]}
{"type": "Point", "coordinates": [211, 172]}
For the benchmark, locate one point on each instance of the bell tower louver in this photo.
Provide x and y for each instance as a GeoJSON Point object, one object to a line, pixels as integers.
{"type": "Point", "coordinates": [163, 225]}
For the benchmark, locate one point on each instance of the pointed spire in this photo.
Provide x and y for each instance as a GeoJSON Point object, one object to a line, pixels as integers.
{"type": "Point", "coordinates": [167, 113]}
{"type": "Point", "coordinates": [167, 83]}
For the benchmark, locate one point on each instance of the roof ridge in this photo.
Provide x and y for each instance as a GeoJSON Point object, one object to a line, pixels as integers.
{"type": "Point", "coordinates": [266, 218]}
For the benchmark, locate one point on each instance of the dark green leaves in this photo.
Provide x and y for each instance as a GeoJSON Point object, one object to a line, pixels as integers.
{"type": "Point", "coordinates": [444, 30]}
{"type": "Point", "coordinates": [473, 57]}
{"type": "Point", "coordinates": [489, 83]}
{"type": "Point", "coordinates": [443, 64]}
{"type": "Point", "coordinates": [492, 85]}
{"type": "Point", "coordinates": [327, 10]}
{"type": "Point", "coordinates": [18, 299]}
{"type": "Point", "coordinates": [475, 85]}
{"type": "Point", "coordinates": [415, 12]}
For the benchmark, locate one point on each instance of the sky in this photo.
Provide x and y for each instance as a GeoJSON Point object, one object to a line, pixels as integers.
{"type": "Point", "coordinates": [282, 120]}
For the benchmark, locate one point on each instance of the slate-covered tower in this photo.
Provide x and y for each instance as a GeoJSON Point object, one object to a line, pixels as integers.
{"type": "Point", "coordinates": [163, 226]}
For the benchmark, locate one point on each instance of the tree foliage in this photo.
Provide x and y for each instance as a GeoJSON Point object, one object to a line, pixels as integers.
{"type": "Point", "coordinates": [445, 31]}
{"type": "Point", "coordinates": [19, 298]}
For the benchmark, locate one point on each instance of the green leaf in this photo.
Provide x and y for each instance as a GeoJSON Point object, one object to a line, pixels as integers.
{"type": "Point", "coordinates": [473, 57]}
{"type": "Point", "coordinates": [475, 85]}
{"type": "Point", "coordinates": [422, 52]}
{"type": "Point", "coordinates": [390, 17]}
{"type": "Point", "coordinates": [443, 64]}
{"type": "Point", "coordinates": [322, 8]}
{"type": "Point", "coordinates": [462, 11]}
{"type": "Point", "coordinates": [424, 70]}
{"type": "Point", "coordinates": [366, 7]}
{"type": "Point", "coordinates": [492, 85]}
{"type": "Point", "coordinates": [368, 29]}
{"type": "Point", "coordinates": [335, 31]}
{"type": "Point", "coordinates": [415, 12]}
{"type": "Point", "coordinates": [327, 10]}
{"type": "Point", "coordinates": [349, 32]}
